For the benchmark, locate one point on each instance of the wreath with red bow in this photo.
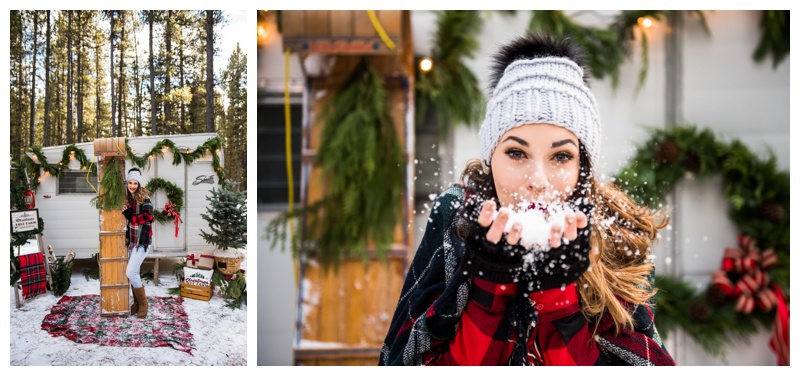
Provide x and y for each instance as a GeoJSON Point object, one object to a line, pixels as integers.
{"type": "Point", "coordinates": [172, 209]}
{"type": "Point", "coordinates": [750, 291]}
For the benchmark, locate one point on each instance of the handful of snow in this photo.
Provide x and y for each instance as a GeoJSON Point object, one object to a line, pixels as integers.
{"type": "Point", "coordinates": [536, 222]}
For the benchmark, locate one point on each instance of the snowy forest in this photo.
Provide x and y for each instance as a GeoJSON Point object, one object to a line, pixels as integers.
{"type": "Point", "coordinates": [77, 75]}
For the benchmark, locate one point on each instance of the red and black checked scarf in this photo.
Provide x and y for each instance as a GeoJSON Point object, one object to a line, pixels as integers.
{"type": "Point", "coordinates": [33, 275]}
{"type": "Point", "coordinates": [436, 292]}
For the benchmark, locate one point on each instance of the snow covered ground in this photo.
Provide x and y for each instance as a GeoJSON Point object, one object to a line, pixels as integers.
{"type": "Point", "coordinates": [220, 333]}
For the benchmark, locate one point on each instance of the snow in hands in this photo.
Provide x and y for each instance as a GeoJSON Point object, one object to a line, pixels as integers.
{"type": "Point", "coordinates": [536, 221]}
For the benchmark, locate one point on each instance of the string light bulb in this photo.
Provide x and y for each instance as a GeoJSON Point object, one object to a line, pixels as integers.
{"type": "Point", "coordinates": [645, 22]}
{"type": "Point", "coordinates": [426, 64]}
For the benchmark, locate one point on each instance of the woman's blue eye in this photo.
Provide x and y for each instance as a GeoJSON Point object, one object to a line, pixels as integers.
{"type": "Point", "coordinates": [515, 154]}
{"type": "Point", "coordinates": [563, 157]}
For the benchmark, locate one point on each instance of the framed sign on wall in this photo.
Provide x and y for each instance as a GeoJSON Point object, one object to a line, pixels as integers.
{"type": "Point", "coordinates": [24, 220]}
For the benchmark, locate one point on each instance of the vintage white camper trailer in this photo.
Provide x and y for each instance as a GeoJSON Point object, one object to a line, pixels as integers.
{"type": "Point", "coordinates": [71, 222]}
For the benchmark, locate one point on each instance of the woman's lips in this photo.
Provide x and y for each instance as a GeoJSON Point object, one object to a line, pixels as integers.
{"type": "Point", "coordinates": [537, 205]}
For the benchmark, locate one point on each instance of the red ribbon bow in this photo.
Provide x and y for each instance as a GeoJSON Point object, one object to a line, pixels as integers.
{"type": "Point", "coordinates": [193, 259]}
{"type": "Point", "coordinates": [752, 288]}
{"type": "Point", "coordinates": [169, 210]}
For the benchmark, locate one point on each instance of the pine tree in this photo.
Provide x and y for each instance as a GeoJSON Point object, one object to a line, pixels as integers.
{"type": "Point", "coordinates": [227, 218]}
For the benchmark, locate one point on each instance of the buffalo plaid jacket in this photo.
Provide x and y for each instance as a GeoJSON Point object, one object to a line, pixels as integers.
{"type": "Point", "coordinates": [445, 317]}
{"type": "Point", "coordinates": [139, 230]}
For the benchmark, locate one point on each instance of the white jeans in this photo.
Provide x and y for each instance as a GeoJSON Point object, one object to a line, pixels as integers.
{"type": "Point", "coordinates": [135, 259]}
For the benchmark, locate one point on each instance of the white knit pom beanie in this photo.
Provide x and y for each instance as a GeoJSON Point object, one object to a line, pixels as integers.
{"type": "Point", "coordinates": [134, 174]}
{"type": "Point", "coordinates": [547, 90]}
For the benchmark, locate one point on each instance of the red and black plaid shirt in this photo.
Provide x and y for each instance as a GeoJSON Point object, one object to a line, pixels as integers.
{"type": "Point", "coordinates": [562, 335]}
{"type": "Point", "coordinates": [139, 230]}
{"type": "Point", "coordinates": [445, 316]}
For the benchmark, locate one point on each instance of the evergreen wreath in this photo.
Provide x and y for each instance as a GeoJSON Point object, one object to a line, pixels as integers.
{"type": "Point", "coordinates": [174, 195]}
{"type": "Point", "coordinates": [758, 194]}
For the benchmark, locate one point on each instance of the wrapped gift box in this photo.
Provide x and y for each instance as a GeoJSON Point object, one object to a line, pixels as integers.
{"type": "Point", "coordinates": [200, 259]}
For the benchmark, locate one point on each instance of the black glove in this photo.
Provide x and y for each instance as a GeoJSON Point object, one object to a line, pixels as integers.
{"type": "Point", "coordinates": [128, 213]}
{"type": "Point", "coordinates": [563, 265]}
{"type": "Point", "coordinates": [499, 263]}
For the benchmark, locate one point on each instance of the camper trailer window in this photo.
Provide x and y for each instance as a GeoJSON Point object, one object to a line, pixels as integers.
{"type": "Point", "coordinates": [75, 182]}
{"type": "Point", "coordinates": [273, 188]}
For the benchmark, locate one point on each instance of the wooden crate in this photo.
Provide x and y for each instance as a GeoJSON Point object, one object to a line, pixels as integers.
{"type": "Point", "coordinates": [196, 292]}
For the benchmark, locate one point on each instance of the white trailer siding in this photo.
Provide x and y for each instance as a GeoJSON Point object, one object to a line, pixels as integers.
{"type": "Point", "coordinates": [71, 222]}
{"type": "Point", "coordinates": [199, 183]}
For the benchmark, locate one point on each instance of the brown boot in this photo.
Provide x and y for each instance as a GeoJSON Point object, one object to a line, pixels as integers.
{"type": "Point", "coordinates": [142, 299]}
{"type": "Point", "coordinates": [135, 305]}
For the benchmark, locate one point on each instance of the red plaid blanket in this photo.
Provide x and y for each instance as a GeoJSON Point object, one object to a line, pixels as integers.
{"type": "Point", "coordinates": [33, 275]}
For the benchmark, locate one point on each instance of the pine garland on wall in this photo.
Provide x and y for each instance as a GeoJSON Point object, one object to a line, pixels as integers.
{"type": "Point", "coordinates": [774, 38]}
{"type": "Point", "coordinates": [212, 145]}
{"type": "Point", "coordinates": [451, 89]}
{"type": "Point", "coordinates": [606, 48]}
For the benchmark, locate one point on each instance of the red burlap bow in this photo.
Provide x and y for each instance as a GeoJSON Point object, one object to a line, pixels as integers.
{"type": "Point", "coordinates": [749, 264]}
{"type": "Point", "coordinates": [169, 210]}
{"type": "Point", "coordinates": [194, 260]}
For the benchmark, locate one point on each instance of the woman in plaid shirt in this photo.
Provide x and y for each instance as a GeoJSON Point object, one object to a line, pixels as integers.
{"type": "Point", "coordinates": [581, 295]}
{"type": "Point", "coordinates": [138, 210]}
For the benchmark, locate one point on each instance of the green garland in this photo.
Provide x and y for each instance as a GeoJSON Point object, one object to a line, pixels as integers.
{"type": "Point", "coordinates": [211, 145]}
{"type": "Point", "coordinates": [606, 49]}
{"type": "Point", "coordinates": [234, 291]}
{"type": "Point", "coordinates": [758, 194]}
{"type": "Point", "coordinates": [363, 167]}
{"type": "Point", "coordinates": [451, 89]}
{"type": "Point", "coordinates": [53, 169]}
{"type": "Point", "coordinates": [774, 37]}
{"type": "Point", "coordinates": [114, 183]}
{"type": "Point", "coordinates": [174, 195]}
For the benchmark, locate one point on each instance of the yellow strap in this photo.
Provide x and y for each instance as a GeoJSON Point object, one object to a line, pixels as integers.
{"type": "Point", "coordinates": [377, 25]}
{"type": "Point", "coordinates": [89, 171]}
{"type": "Point", "coordinates": [287, 114]}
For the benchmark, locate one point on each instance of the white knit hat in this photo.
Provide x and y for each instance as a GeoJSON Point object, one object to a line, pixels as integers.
{"type": "Point", "coordinates": [547, 90]}
{"type": "Point", "coordinates": [134, 174]}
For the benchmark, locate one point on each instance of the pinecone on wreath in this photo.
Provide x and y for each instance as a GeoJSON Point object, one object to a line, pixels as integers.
{"type": "Point", "coordinates": [715, 296]}
{"type": "Point", "coordinates": [771, 211]}
{"type": "Point", "coordinates": [699, 310]}
{"type": "Point", "coordinates": [667, 152]}
{"type": "Point", "coordinates": [692, 162]}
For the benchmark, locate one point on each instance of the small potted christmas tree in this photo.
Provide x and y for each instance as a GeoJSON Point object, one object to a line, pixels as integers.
{"type": "Point", "coordinates": [227, 220]}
